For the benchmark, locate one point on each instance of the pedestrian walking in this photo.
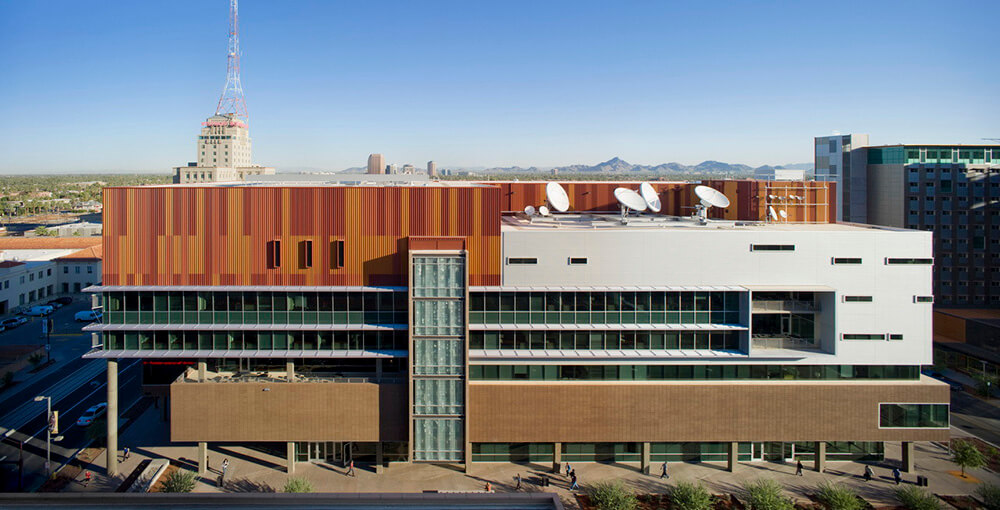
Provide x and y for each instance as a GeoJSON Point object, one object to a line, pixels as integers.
{"type": "Point", "coordinates": [663, 471]}
{"type": "Point", "coordinates": [518, 478]}
{"type": "Point", "coordinates": [86, 478]}
{"type": "Point", "coordinates": [573, 485]}
{"type": "Point", "coordinates": [489, 488]}
{"type": "Point", "coordinates": [225, 466]}
{"type": "Point", "coordinates": [125, 453]}
{"type": "Point", "coordinates": [869, 473]}
{"type": "Point", "coordinates": [350, 469]}
{"type": "Point", "coordinates": [568, 469]}
{"type": "Point", "coordinates": [896, 475]}
{"type": "Point", "coordinates": [798, 468]}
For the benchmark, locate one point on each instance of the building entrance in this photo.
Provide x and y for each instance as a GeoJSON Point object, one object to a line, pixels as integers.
{"type": "Point", "coordinates": [329, 451]}
{"type": "Point", "coordinates": [772, 451]}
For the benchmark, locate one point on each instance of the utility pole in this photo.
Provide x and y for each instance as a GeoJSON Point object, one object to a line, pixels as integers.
{"type": "Point", "coordinates": [48, 434]}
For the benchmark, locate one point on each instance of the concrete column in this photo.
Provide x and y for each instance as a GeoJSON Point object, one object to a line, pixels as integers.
{"type": "Point", "coordinates": [908, 457]}
{"type": "Point", "coordinates": [202, 368]}
{"type": "Point", "coordinates": [290, 370]}
{"type": "Point", "coordinates": [379, 459]}
{"type": "Point", "coordinates": [112, 417]}
{"type": "Point", "coordinates": [734, 456]}
{"type": "Point", "coordinates": [290, 454]}
{"type": "Point", "coordinates": [468, 457]}
{"type": "Point", "coordinates": [557, 458]}
{"type": "Point", "coordinates": [202, 459]}
{"type": "Point", "coordinates": [646, 455]}
{"type": "Point", "coordinates": [819, 463]}
{"type": "Point", "coordinates": [378, 369]}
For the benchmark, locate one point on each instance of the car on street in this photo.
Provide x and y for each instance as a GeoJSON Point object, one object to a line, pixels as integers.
{"type": "Point", "coordinates": [54, 304]}
{"type": "Point", "coordinates": [87, 316]}
{"type": "Point", "coordinates": [63, 300]}
{"type": "Point", "coordinates": [39, 311]}
{"type": "Point", "coordinates": [14, 322]}
{"type": "Point", "coordinates": [955, 385]}
{"type": "Point", "coordinates": [92, 413]}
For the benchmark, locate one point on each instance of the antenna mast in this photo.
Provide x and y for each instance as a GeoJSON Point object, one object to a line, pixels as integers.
{"type": "Point", "coordinates": [232, 101]}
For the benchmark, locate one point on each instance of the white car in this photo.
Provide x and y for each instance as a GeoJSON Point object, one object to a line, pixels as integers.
{"type": "Point", "coordinates": [87, 316]}
{"type": "Point", "coordinates": [39, 311]}
{"type": "Point", "coordinates": [91, 414]}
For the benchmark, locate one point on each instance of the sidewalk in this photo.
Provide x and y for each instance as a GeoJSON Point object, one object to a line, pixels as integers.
{"type": "Point", "coordinates": [253, 471]}
{"type": "Point", "coordinates": [971, 385]}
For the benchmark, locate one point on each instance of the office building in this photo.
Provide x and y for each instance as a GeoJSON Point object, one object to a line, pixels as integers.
{"type": "Point", "coordinates": [224, 153]}
{"type": "Point", "coordinates": [34, 270]}
{"type": "Point", "coordinates": [421, 323]}
{"type": "Point", "coordinates": [833, 163]}
{"type": "Point", "coordinates": [376, 164]}
{"type": "Point", "coordinates": [432, 169]}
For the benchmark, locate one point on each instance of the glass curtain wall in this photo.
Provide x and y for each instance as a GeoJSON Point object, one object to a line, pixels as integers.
{"type": "Point", "coordinates": [438, 333]}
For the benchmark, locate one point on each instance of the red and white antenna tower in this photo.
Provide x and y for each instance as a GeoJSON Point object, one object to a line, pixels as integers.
{"type": "Point", "coordinates": [232, 101]}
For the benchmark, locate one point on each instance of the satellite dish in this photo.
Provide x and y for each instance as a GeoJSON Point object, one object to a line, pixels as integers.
{"type": "Point", "coordinates": [530, 210]}
{"type": "Point", "coordinates": [783, 214]}
{"type": "Point", "coordinates": [771, 213]}
{"type": "Point", "coordinates": [556, 197]}
{"type": "Point", "coordinates": [711, 197]}
{"type": "Point", "coordinates": [544, 211]}
{"type": "Point", "coordinates": [629, 200]}
{"type": "Point", "coordinates": [650, 196]}
{"type": "Point", "coordinates": [771, 197]}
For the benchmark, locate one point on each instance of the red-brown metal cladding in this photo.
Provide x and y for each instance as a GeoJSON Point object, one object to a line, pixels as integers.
{"type": "Point", "coordinates": [181, 235]}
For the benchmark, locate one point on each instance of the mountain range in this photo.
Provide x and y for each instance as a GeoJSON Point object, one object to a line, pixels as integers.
{"type": "Point", "coordinates": [617, 165]}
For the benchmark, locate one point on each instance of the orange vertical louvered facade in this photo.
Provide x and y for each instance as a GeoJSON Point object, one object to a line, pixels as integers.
{"type": "Point", "coordinates": [220, 235]}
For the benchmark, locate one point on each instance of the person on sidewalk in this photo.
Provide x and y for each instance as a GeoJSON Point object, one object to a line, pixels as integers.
{"type": "Point", "coordinates": [518, 479]}
{"type": "Point", "coordinates": [350, 469]}
{"type": "Point", "coordinates": [798, 468]}
{"type": "Point", "coordinates": [225, 466]}
{"type": "Point", "coordinates": [663, 471]}
{"type": "Point", "coordinates": [568, 469]}
{"type": "Point", "coordinates": [896, 475]}
{"type": "Point", "coordinates": [869, 473]}
{"type": "Point", "coordinates": [489, 488]}
{"type": "Point", "coordinates": [86, 478]}
{"type": "Point", "coordinates": [125, 453]}
{"type": "Point", "coordinates": [574, 485]}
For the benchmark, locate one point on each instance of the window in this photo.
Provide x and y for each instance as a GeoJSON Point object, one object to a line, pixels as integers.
{"type": "Point", "coordinates": [76, 269]}
{"type": "Point", "coordinates": [90, 269]}
{"type": "Point", "coordinates": [273, 254]}
{"type": "Point", "coordinates": [857, 299]}
{"type": "Point", "coordinates": [337, 254]}
{"type": "Point", "coordinates": [577, 261]}
{"type": "Point", "coordinates": [842, 260]}
{"type": "Point", "coordinates": [925, 416]}
{"type": "Point", "coordinates": [521, 260]}
{"type": "Point", "coordinates": [65, 269]}
{"type": "Point", "coordinates": [923, 299]}
{"type": "Point", "coordinates": [772, 247]}
{"type": "Point", "coordinates": [895, 336]}
{"type": "Point", "coordinates": [305, 254]}
{"type": "Point", "coordinates": [858, 336]}
{"type": "Point", "coordinates": [894, 261]}
{"type": "Point", "coordinates": [48, 272]}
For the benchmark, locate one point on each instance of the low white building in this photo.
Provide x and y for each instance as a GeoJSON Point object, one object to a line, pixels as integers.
{"type": "Point", "coordinates": [35, 270]}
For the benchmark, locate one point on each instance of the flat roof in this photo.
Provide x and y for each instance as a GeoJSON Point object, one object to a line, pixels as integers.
{"type": "Point", "coordinates": [610, 221]}
{"type": "Point", "coordinates": [991, 145]}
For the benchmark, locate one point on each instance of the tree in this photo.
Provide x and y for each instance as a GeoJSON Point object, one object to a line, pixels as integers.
{"type": "Point", "coordinates": [296, 484]}
{"type": "Point", "coordinates": [837, 497]}
{"type": "Point", "coordinates": [766, 495]}
{"type": "Point", "coordinates": [915, 498]}
{"type": "Point", "coordinates": [966, 455]}
{"type": "Point", "coordinates": [8, 379]}
{"type": "Point", "coordinates": [180, 480]}
{"type": "Point", "coordinates": [690, 496]}
{"type": "Point", "coordinates": [612, 495]}
{"type": "Point", "coordinates": [985, 385]}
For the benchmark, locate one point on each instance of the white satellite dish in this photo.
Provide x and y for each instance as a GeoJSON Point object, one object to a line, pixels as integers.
{"type": "Point", "coordinates": [771, 213]}
{"type": "Point", "coordinates": [650, 196]}
{"type": "Point", "coordinates": [530, 210]}
{"type": "Point", "coordinates": [711, 197]}
{"type": "Point", "coordinates": [629, 200]}
{"type": "Point", "coordinates": [544, 211]}
{"type": "Point", "coordinates": [771, 197]}
{"type": "Point", "coordinates": [783, 214]}
{"type": "Point", "coordinates": [556, 197]}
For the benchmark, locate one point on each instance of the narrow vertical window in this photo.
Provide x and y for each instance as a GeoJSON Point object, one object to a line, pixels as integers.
{"type": "Point", "coordinates": [337, 254]}
{"type": "Point", "coordinates": [305, 254]}
{"type": "Point", "coordinates": [273, 254]}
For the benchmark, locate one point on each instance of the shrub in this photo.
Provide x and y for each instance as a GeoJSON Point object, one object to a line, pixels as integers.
{"type": "Point", "coordinates": [985, 385]}
{"type": "Point", "coordinates": [98, 432]}
{"type": "Point", "coordinates": [990, 494]}
{"type": "Point", "coordinates": [966, 455]}
{"type": "Point", "coordinates": [838, 497]}
{"type": "Point", "coordinates": [296, 484]}
{"type": "Point", "coordinates": [915, 498]}
{"type": "Point", "coordinates": [690, 496]}
{"type": "Point", "coordinates": [180, 480]}
{"type": "Point", "coordinates": [766, 495]}
{"type": "Point", "coordinates": [612, 495]}
{"type": "Point", "coordinates": [35, 359]}
{"type": "Point", "coordinates": [8, 379]}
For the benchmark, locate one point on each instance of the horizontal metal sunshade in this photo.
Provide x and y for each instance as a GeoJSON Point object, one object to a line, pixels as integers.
{"type": "Point", "coordinates": [607, 327]}
{"type": "Point", "coordinates": [194, 354]}
{"type": "Point", "coordinates": [245, 327]}
{"type": "Point", "coordinates": [241, 288]}
{"type": "Point", "coordinates": [606, 288]}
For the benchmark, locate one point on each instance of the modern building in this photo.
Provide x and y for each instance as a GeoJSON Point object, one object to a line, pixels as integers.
{"type": "Point", "coordinates": [421, 323]}
{"type": "Point", "coordinates": [968, 340]}
{"type": "Point", "coordinates": [376, 164]}
{"type": "Point", "coordinates": [950, 190]}
{"type": "Point", "coordinates": [834, 163]}
{"type": "Point", "coordinates": [432, 169]}
{"type": "Point", "coordinates": [224, 153]}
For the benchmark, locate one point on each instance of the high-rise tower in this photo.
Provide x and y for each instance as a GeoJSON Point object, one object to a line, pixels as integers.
{"type": "Point", "coordinates": [232, 101]}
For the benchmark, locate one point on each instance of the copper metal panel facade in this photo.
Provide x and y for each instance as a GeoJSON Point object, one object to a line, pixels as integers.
{"type": "Point", "coordinates": [669, 412]}
{"type": "Point", "coordinates": [219, 235]}
{"type": "Point", "coordinates": [232, 412]}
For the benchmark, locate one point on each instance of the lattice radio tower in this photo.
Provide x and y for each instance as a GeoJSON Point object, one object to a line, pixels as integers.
{"type": "Point", "coordinates": [232, 100]}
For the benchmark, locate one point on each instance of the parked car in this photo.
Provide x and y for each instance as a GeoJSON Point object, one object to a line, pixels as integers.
{"type": "Point", "coordinates": [64, 300]}
{"type": "Point", "coordinates": [54, 304]}
{"type": "Point", "coordinates": [955, 385]}
{"type": "Point", "coordinates": [87, 316]}
{"type": "Point", "coordinates": [91, 414]}
{"type": "Point", "coordinates": [14, 322]}
{"type": "Point", "coordinates": [39, 311]}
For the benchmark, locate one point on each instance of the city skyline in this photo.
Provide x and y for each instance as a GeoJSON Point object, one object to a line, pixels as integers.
{"type": "Point", "coordinates": [123, 86]}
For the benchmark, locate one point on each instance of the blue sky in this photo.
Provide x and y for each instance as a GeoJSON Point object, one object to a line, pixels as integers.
{"type": "Point", "coordinates": [90, 85]}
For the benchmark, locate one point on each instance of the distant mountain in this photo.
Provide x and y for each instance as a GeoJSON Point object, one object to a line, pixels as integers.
{"type": "Point", "coordinates": [617, 165]}
{"type": "Point", "coordinates": [797, 166]}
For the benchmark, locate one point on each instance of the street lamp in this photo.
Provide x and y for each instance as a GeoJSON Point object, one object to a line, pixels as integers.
{"type": "Point", "coordinates": [48, 434]}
